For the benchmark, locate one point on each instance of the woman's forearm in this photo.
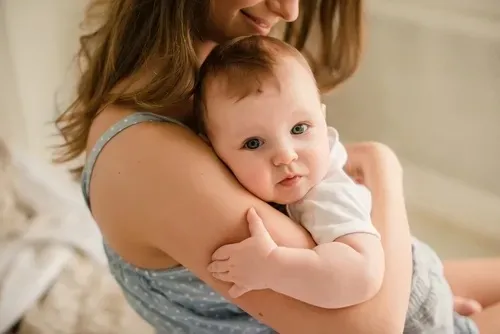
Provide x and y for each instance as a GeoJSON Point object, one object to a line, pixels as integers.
{"type": "Point", "coordinates": [390, 219]}
{"type": "Point", "coordinates": [384, 178]}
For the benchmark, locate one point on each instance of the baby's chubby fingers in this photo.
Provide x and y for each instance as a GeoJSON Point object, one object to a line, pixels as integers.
{"type": "Point", "coordinates": [237, 291]}
{"type": "Point", "coordinates": [224, 252]}
{"type": "Point", "coordinates": [225, 277]}
{"type": "Point", "coordinates": [218, 267]}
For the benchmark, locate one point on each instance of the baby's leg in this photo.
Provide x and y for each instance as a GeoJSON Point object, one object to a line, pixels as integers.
{"type": "Point", "coordinates": [488, 321]}
{"type": "Point", "coordinates": [478, 279]}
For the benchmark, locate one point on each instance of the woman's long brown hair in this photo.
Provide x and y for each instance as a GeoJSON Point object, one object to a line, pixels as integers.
{"type": "Point", "coordinates": [131, 34]}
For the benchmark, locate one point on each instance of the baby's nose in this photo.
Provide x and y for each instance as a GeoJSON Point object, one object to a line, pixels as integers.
{"type": "Point", "coordinates": [284, 156]}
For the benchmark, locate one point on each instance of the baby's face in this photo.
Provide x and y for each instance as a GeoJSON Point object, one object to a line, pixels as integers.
{"type": "Point", "coordinates": [275, 142]}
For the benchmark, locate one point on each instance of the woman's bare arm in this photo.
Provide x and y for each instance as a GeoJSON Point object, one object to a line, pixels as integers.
{"type": "Point", "coordinates": [167, 188]}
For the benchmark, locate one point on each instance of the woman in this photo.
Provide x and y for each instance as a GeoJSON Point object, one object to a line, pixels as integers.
{"type": "Point", "coordinates": [161, 197]}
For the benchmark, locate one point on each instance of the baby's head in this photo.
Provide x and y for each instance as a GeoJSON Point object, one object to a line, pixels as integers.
{"type": "Point", "coordinates": [258, 104]}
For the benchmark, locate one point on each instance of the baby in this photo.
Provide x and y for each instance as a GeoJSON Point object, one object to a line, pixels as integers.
{"type": "Point", "coordinates": [264, 118]}
{"type": "Point", "coordinates": [258, 105]}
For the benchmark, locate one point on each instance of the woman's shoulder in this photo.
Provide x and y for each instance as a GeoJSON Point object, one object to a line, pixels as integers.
{"type": "Point", "coordinates": [104, 121]}
{"type": "Point", "coordinates": [136, 144]}
{"type": "Point", "coordinates": [119, 118]}
{"type": "Point", "coordinates": [128, 152]}
{"type": "Point", "coordinates": [120, 137]}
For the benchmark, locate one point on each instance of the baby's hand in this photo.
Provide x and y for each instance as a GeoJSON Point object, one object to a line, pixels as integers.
{"type": "Point", "coordinates": [245, 263]}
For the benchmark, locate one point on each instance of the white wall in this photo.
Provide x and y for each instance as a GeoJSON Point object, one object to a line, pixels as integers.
{"type": "Point", "coordinates": [429, 86]}
{"type": "Point", "coordinates": [38, 39]}
{"type": "Point", "coordinates": [11, 118]}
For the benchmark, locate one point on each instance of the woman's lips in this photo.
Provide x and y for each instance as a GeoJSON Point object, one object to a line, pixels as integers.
{"type": "Point", "coordinates": [261, 24]}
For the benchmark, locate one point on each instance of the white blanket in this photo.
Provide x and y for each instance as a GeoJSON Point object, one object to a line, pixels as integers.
{"type": "Point", "coordinates": [50, 247]}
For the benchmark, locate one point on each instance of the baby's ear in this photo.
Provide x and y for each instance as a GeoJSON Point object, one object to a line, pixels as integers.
{"type": "Point", "coordinates": [323, 109]}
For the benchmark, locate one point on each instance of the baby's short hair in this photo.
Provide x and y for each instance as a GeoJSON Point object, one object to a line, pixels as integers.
{"type": "Point", "coordinates": [243, 63]}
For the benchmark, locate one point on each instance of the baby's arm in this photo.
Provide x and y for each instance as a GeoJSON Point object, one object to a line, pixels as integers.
{"type": "Point", "coordinates": [346, 268]}
{"type": "Point", "coordinates": [337, 274]}
{"type": "Point", "coordinates": [334, 274]}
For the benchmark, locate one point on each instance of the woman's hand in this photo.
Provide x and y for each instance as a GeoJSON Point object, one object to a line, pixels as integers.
{"type": "Point", "coordinates": [369, 163]}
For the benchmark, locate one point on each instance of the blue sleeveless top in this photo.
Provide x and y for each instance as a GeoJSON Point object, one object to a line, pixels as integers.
{"type": "Point", "coordinates": [172, 300]}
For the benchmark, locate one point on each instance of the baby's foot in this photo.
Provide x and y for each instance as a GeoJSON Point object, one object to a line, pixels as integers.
{"type": "Point", "coordinates": [466, 306]}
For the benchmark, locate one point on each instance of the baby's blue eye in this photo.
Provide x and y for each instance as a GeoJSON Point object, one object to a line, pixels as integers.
{"type": "Point", "coordinates": [253, 144]}
{"type": "Point", "coordinates": [299, 129]}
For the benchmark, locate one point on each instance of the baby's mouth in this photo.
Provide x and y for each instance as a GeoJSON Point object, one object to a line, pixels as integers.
{"type": "Point", "coordinates": [290, 180]}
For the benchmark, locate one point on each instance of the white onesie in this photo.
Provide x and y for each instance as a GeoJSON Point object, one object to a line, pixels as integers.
{"type": "Point", "coordinates": [336, 206]}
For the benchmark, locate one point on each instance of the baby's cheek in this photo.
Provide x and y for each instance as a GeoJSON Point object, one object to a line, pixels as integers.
{"type": "Point", "coordinates": [260, 184]}
{"type": "Point", "coordinates": [252, 177]}
{"type": "Point", "coordinates": [318, 164]}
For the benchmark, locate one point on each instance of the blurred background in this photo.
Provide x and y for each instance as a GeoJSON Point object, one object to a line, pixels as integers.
{"type": "Point", "coordinates": [428, 86]}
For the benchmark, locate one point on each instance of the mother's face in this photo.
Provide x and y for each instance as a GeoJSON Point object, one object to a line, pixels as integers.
{"type": "Point", "coordinates": [234, 18]}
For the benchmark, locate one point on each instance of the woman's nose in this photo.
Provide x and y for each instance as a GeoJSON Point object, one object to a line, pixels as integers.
{"type": "Point", "coordinates": [284, 156]}
{"type": "Point", "coordinates": [287, 9]}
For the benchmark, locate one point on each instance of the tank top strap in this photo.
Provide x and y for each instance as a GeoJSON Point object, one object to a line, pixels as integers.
{"type": "Point", "coordinates": [122, 124]}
